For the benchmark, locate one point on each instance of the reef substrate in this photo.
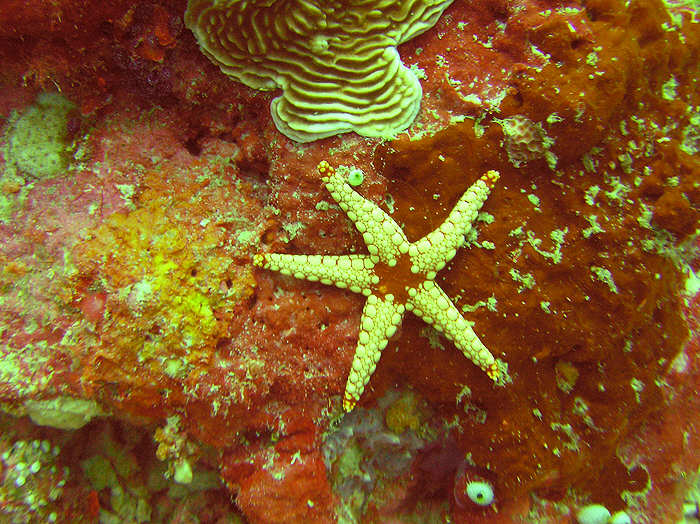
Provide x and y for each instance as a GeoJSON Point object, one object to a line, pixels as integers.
{"type": "Point", "coordinates": [148, 372]}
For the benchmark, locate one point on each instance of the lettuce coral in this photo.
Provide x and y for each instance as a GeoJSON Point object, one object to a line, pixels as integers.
{"type": "Point", "coordinates": [336, 62]}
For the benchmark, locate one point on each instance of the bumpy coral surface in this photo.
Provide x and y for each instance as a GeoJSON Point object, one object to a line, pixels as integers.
{"type": "Point", "coordinates": [336, 62]}
{"type": "Point", "coordinates": [149, 371]}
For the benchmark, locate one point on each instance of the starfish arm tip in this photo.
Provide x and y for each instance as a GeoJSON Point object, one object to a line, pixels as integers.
{"type": "Point", "coordinates": [349, 403]}
{"type": "Point", "coordinates": [325, 169]}
{"type": "Point", "coordinates": [493, 372]}
{"type": "Point", "coordinates": [438, 247]}
{"type": "Point", "coordinates": [490, 178]}
{"type": "Point", "coordinates": [381, 234]}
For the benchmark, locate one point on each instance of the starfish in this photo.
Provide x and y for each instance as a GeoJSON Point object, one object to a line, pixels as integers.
{"type": "Point", "coordinates": [396, 276]}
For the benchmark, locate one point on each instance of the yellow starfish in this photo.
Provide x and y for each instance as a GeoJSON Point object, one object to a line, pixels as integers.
{"type": "Point", "coordinates": [396, 276]}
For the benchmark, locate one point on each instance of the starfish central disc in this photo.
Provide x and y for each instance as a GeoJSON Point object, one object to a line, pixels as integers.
{"type": "Point", "coordinates": [396, 276]}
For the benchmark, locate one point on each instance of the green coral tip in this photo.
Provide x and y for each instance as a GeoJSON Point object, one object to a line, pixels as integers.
{"type": "Point", "coordinates": [593, 514]}
{"type": "Point", "coordinates": [355, 177]}
{"type": "Point", "coordinates": [480, 493]}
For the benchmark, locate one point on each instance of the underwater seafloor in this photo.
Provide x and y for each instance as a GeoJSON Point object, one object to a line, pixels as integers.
{"type": "Point", "coordinates": [150, 373]}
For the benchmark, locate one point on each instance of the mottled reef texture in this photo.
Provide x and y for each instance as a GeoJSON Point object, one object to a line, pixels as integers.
{"type": "Point", "coordinates": [133, 321]}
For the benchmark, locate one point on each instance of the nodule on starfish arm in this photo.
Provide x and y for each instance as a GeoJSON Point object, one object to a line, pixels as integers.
{"type": "Point", "coordinates": [353, 272]}
{"type": "Point", "coordinates": [382, 235]}
{"type": "Point", "coordinates": [429, 302]}
{"type": "Point", "coordinates": [396, 276]}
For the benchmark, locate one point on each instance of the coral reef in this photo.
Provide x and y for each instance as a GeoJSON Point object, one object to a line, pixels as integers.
{"type": "Point", "coordinates": [150, 372]}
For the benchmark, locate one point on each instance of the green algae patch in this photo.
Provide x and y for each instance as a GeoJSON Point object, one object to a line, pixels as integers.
{"type": "Point", "coordinates": [38, 142]}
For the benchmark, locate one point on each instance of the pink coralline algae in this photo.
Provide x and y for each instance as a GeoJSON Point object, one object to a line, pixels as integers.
{"type": "Point", "coordinates": [150, 372]}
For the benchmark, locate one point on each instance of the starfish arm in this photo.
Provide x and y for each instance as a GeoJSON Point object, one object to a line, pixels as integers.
{"type": "Point", "coordinates": [353, 272]}
{"type": "Point", "coordinates": [431, 303]}
{"type": "Point", "coordinates": [380, 319]}
{"type": "Point", "coordinates": [382, 235]}
{"type": "Point", "coordinates": [430, 254]}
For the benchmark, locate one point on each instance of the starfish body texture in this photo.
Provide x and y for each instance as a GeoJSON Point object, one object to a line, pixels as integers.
{"type": "Point", "coordinates": [396, 276]}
